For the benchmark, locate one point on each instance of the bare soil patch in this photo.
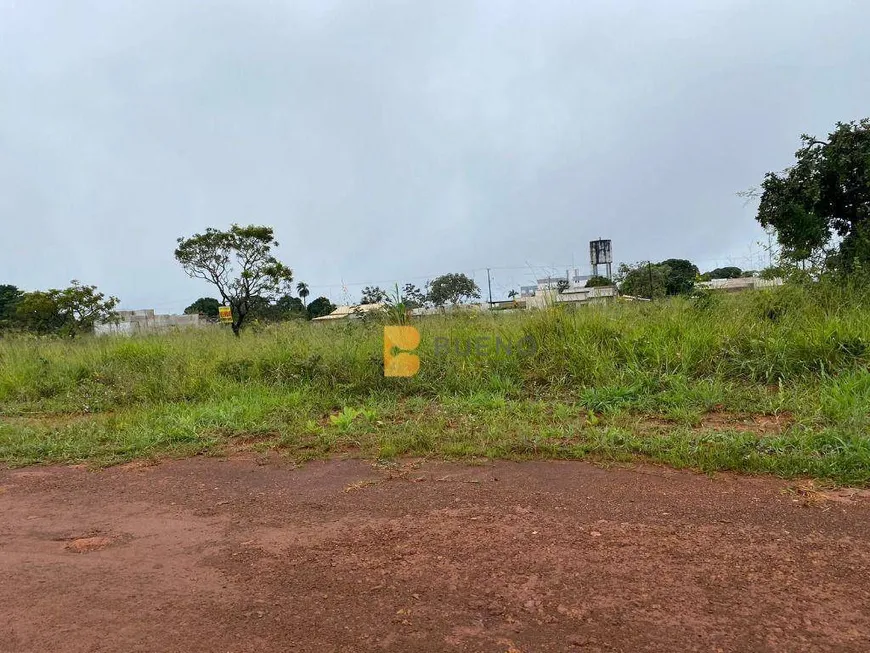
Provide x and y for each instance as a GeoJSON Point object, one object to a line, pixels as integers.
{"type": "Point", "coordinates": [235, 555]}
{"type": "Point", "coordinates": [725, 421]}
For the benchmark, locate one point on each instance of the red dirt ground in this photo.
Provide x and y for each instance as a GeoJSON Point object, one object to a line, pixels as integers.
{"type": "Point", "coordinates": [243, 555]}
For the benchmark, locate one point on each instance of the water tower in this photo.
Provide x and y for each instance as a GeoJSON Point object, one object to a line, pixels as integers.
{"type": "Point", "coordinates": [600, 253]}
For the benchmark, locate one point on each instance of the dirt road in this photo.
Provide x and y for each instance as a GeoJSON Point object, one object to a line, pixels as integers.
{"type": "Point", "coordinates": [240, 555]}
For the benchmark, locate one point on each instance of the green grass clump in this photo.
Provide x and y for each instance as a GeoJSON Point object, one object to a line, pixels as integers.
{"type": "Point", "coordinates": [800, 352]}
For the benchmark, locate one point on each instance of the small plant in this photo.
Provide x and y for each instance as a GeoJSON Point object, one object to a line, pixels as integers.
{"type": "Point", "coordinates": [345, 419]}
{"type": "Point", "coordinates": [397, 310]}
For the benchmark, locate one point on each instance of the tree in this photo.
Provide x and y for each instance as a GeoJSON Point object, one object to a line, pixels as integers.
{"type": "Point", "coordinates": [643, 280]}
{"type": "Point", "coordinates": [453, 289]}
{"type": "Point", "coordinates": [261, 308]}
{"type": "Point", "coordinates": [285, 307]}
{"type": "Point", "coordinates": [290, 307]}
{"type": "Point", "coordinates": [373, 295]}
{"type": "Point", "coordinates": [83, 306]}
{"type": "Point", "coordinates": [562, 285]}
{"type": "Point", "coordinates": [597, 281]}
{"type": "Point", "coordinates": [680, 276]}
{"type": "Point", "coordinates": [512, 293]}
{"type": "Point", "coordinates": [729, 272]}
{"type": "Point", "coordinates": [320, 307]}
{"type": "Point", "coordinates": [239, 263]}
{"type": "Point", "coordinates": [412, 296]}
{"type": "Point", "coordinates": [819, 208]}
{"type": "Point", "coordinates": [207, 306]}
{"type": "Point", "coordinates": [38, 312]}
{"type": "Point", "coordinates": [68, 311]}
{"type": "Point", "coordinates": [302, 289]}
{"type": "Point", "coordinates": [9, 298]}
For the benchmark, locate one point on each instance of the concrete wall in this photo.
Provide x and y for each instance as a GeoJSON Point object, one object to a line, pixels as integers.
{"type": "Point", "coordinates": [741, 283]}
{"type": "Point", "coordinates": [573, 295]}
{"type": "Point", "coordinates": [145, 321]}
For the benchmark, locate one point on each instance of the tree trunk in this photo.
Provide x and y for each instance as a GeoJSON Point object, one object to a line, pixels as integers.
{"type": "Point", "coordinates": [237, 327]}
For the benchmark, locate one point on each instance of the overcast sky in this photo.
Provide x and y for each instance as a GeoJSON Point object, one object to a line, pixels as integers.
{"type": "Point", "coordinates": [394, 141]}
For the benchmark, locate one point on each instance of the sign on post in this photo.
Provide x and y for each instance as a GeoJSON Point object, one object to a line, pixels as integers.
{"type": "Point", "coordinates": [226, 314]}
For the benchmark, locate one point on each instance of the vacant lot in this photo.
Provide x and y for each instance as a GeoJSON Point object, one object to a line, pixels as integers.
{"type": "Point", "coordinates": [254, 555]}
{"type": "Point", "coordinates": [773, 382]}
{"type": "Point", "coordinates": [239, 546]}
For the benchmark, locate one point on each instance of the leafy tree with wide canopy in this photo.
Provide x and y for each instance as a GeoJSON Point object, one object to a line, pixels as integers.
{"type": "Point", "coordinates": [239, 263]}
{"type": "Point", "coordinates": [643, 280]}
{"type": "Point", "coordinates": [207, 306]}
{"type": "Point", "coordinates": [728, 272]}
{"type": "Point", "coordinates": [452, 289]}
{"type": "Point", "coordinates": [320, 307]}
{"type": "Point", "coordinates": [680, 276]}
{"type": "Point", "coordinates": [68, 311]}
{"type": "Point", "coordinates": [819, 208]}
{"type": "Point", "coordinates": [674, 276]}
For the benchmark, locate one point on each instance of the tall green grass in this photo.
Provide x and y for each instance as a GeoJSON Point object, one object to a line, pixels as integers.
{"type": "Point", "coordinates": [801, 350]}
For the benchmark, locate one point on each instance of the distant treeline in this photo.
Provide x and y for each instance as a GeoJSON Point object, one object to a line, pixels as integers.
{"type": "Point", "coordinates": [263, 309]}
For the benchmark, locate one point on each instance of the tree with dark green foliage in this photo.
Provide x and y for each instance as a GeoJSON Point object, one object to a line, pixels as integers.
{"type": "Point", "coordinates": [285, 307]}
{"type": "Point", "coordinates": [598, 282]}
{"type": "Point", "coordinates": [729, 272]}
{"type": "Point", "coordinates": [680, 276]}
{"type": "Point", "coordinates": [38, 312]}
{"type": "Point", "coordinates": [261, 308]}
{"type": "Point", "coordinates": [207, 306]}
{"type": "Point", "coordinates": [320, 307]}
{"type": "Point", "coordinates": [9, 298]}
{"type": "Point", "coordinates": [412, 296]}
{"type": "Point", "coordinates": [373, 295]}
{"type": "Point", "coordinates": [239, 263]}
{"type": "Point", "coordinates": [68, 311]}
{"type": "Point", "coordinates": [819, 208]}
{"type": "Point", "coordinates": [289, 307]}
{"type": "Point", "coordinates": [453, 289]}
{"type": "Point", "coordinates": [643, 280]}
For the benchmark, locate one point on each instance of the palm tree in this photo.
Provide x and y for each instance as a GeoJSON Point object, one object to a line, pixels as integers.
{"type": "Point", "coordinates": [302, 289]}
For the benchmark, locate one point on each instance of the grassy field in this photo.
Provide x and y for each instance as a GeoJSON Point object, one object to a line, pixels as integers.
{"type": "Point", "coordinates": [771, 381]}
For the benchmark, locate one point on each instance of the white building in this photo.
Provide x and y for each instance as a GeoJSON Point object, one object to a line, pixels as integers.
{"type": "Point", "coordinates": [552, 283]}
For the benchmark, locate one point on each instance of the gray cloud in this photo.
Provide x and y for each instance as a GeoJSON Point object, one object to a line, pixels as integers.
{"type": "Point", "coordinates": [392, 141]}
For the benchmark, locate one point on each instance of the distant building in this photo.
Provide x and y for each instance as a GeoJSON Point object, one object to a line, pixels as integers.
{"type": "Point", "coordinates": [552, 283]}
{"type": "Point", "coordinates": [739, 284]}
{"type": "Point", "coordinates": [145, 321]}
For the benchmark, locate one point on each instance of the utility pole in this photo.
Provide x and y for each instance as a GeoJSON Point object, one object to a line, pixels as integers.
{"type": "Point", "coordinates": [649, 271]}
{"type": "Point", "coordinates": [489, 285]}
{"type": "Point", "coordinates": [769, 250]}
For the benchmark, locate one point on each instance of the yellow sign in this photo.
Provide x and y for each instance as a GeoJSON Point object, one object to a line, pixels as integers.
{"type": "Point", "coordinates": [401, 363]}
{"type": "Point", "coordinates": [226, 314]}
